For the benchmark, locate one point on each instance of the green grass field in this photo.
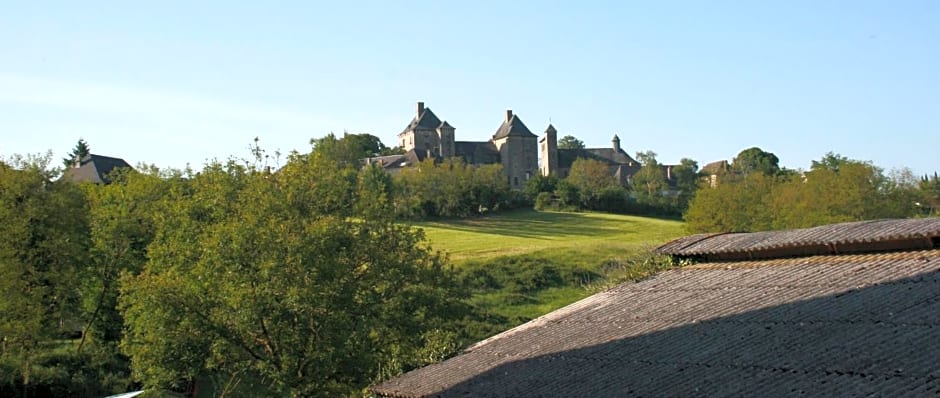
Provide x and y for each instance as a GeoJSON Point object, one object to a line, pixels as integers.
{"type": "Point", "coordinates": [537, 262]}
{"type": "Point", "coordinates": [579, 238]}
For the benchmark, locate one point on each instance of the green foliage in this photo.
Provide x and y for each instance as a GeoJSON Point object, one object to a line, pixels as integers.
{"type": "Point", "coordinates": [732, 206]}
{"type": "Point", "coordinates": [570, 142]}
{"type": "Point", "coordinates": [836, 189]}
{"type": "Point", "coordinates": [687, 181]}
{"type": "Point", "coordinates": [43, 245]}
{"type": "Point", "coordinates": [649, 183]}
{"type": "Point", "coordinates": [78, 153]}
{"type": "Point", "coordinates": [929, 203]}
{"type": "Point", "coordinates": [755, 160]}
{"type": "Point", "coordinates": [278, 275]}
{"type": "Point", "coordinates": [539, 184]}
{"type": "Point", "coordinates": [451, 188]}
{"type": "Point", "coordinates": [351, 148]}
{"type": "Point", "coordinates": [591, 181]}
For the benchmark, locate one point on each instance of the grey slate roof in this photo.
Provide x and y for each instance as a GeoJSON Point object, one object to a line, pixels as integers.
{"type": "Point", "coordinates": [426, 120]}
{"type": "Point", "coordinates": [512, 127]}
{"type": "Point", "coordinates": [391, 162]}
{"type": "Point", "coordinates": [94, 168]}
{"type": "Point", "coordinates": [851, 237]}
{"type": "Point", "coordinates": [845, 325]}
{"type": "Point", "coordinates": [477, 152]}
{"type": "Point", "coordinates": [608, 155]}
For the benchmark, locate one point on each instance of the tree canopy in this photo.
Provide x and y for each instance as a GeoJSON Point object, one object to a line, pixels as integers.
{"type": "Point", "coordinates": [756, 160]}
{"type": "Point", "coordinates": [570, 142]}
{"type": "Point", "coordinates": [836, 189]}
{"type": "Point", "coordinates": [78, 153]}
{"type": "Point", "coordinates": [272, 275]}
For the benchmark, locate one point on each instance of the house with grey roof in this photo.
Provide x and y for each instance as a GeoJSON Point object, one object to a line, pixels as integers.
{"type": "Point", "coordinates": [848, 309]}
{"type": "Point", "coordinates": [95, 169]}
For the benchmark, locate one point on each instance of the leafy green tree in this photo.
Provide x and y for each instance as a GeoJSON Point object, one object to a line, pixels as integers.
{"type": "Point", "coordinates": [733, 206]}
{"type": "Point", "coordinates": [450, 188]}
{"type": "Point", "coordinates": [43, 245]}
{"type": "Point", "coordinates": [756, 160]}
{"type": "Point", "coordinates": [78, 153]}
{"type": "Point", "coordinates": [929, 203]}
{"type": "Point", "coordinates": [249, 274]}
{"type": "Point", "coordinates": [350, 148]}
{"type": "Point", "coordinates": [687, 182]}
{"type": "Point", "coordinates": [590, 178]}
{"type": "Point", "coordinates": [539, 184]}
{"type": "Point", "coordinates": [649, 183]}
{"type": "Point", "coordinates": [570, 142]}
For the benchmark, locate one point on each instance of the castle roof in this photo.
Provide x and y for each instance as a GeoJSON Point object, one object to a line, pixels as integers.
{"type": "Point", "coordinates": [474, 152]}
{"type": "Point", "coordinates": [95, 169]}
{"type": "Point", "coordinates": [424, 120]}
{"type": "Point", "coordinates": [512, 126]}
{"type": "Point", "coordinates": [607, 155]}
{"type": "Point", "coordinates": [821, 325]}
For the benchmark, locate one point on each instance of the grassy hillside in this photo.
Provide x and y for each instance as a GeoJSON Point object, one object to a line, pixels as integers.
{"type": "Point", "coordinates": [523, 264]}
{"type": "Point", "coordinates": [578, 238]}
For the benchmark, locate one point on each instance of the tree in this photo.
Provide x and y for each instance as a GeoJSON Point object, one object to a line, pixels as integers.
{"type": "Point", "coordinates": [649, 183]}
{"type": "Point", "coordinates": [929, 187]}
{"type": "Point", "coordinates": [78, 153]}
{"type": "Point", "coordinates": [733, 206]}
{"type": "Point", "coordinates": [756, 160]}
{"type": "Point", "coordinates": [830, 161]}
{"type": "Point", "coordinates": [540, 184]}
{"type": "Point", "coordinates": [570, 142]}
{"type": "Point", "coordinates": [351, 148]}
{"type": "Point", "coordinates": [589, 178]}
{"type": "Point", "coordinates": [251, 275]}
{"type": "Point", "coordinates": [43, 245]}
{"type": "Point", "coordinates": [687, 182]}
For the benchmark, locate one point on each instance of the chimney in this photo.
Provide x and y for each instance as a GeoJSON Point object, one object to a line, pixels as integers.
{"type": "Point", "coordinates": [508, 115]}
{"type": "Point", "coordinates": [616, 143]}
{"type": "Point", "coordinates": [420, 108]}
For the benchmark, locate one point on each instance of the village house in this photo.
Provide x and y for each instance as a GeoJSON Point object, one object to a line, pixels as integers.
{"type": "Point", "coordinates": [94, 168]}
{"type": "Point", "coordinates": [848, 309]}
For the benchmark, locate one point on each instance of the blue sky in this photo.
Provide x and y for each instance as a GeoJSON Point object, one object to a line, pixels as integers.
{"type": "Point", "coordinates": [176, 83]}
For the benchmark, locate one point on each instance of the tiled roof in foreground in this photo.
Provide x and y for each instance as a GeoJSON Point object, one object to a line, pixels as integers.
{"type": "Point", "coordinates": [832, 325]}
{"type": "Point", "coordinates": [851, 237]}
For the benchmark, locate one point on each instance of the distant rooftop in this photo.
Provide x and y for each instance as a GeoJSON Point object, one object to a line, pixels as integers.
{"type": "Point", "coordinates": [95, 169]}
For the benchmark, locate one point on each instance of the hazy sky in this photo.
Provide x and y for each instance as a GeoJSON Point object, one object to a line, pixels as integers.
{"type": "Point", "coordinates": [173, 83]}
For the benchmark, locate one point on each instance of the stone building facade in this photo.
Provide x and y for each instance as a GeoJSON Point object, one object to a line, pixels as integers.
{"type": "Point", "coordinates": [513, 145]}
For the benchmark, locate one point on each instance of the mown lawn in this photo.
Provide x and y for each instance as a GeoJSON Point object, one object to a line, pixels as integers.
{"type": "Point", "coordinates": [579, 238]}
{"type": "Point", "coordinates": [524, 264]}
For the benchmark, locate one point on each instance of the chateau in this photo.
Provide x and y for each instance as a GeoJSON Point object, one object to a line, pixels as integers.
{"type": "Point", "coordinates": [521, 153]}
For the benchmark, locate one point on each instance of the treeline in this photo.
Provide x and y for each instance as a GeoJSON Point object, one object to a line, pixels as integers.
{"type": "Point", "coordinates": [591, 186]}
{"type": "Point", "coordinates": [755, 194]}
{"type": "Point", "coordinates": [238, 279]}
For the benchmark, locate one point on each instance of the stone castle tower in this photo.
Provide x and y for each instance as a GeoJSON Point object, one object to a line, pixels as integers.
{"type": "Point", "coordinates": [518, 150]}
{"type": "Point", "coordinates": [548, 151]}
{"type": "Point", "coordinates": [428, 134]}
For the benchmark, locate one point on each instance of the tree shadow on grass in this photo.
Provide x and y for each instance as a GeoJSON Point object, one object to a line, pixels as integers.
{"type": "Point", "coordinates": [540, 225]}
